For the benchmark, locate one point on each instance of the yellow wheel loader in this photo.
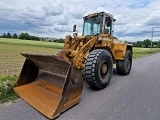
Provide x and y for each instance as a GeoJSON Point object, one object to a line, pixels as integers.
{"type": "Point", "coordinates": [52, 84]}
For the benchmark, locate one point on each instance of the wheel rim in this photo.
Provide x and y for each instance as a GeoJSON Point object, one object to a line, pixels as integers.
{"type": "Point", "coordinates": [104, 69]}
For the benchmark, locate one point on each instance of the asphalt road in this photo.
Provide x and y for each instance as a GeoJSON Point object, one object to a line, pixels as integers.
{"type": "Point", "coordinates": [132, 97]}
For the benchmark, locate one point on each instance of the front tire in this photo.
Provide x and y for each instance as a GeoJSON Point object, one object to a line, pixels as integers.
{"type": "Point", "coordinates": [98, 68]}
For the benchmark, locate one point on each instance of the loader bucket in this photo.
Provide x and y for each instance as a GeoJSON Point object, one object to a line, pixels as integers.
{"type": "Point", "coordinates": [49, 84]}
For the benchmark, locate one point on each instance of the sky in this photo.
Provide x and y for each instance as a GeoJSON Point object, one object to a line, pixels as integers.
{"type": "Point", "coordinates": [55, 18]}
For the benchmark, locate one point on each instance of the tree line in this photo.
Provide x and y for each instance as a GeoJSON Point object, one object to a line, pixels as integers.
{"type": "Point", "coordinates": [8, 35]}
{"type": "Point", "coordinates": [146, 44]}
{"type": "Point", "coordinates": [24, 36]}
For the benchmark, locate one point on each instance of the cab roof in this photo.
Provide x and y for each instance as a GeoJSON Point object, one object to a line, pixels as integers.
{"type": "Point", "coordinates": [99, 14]}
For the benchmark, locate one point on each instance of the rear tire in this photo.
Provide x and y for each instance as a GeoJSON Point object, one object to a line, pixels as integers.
{"type": "Point", "coordinates": [98, 68]}
{"type": "Point", "coordinates": [124, 66]}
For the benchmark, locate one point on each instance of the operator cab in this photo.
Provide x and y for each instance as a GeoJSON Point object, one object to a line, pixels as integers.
{"type": "Point", "coordinates": [98, 23]}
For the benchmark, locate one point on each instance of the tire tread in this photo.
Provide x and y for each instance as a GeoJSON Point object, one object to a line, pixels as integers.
{"type": "Point", "coordinates": [90, 66]}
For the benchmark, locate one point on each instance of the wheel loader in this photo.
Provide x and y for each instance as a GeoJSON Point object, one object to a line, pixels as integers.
{"type": "Point", "coordinates": [54, 83]}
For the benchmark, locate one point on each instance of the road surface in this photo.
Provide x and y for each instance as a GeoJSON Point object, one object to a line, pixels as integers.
{"type": "Point", "coordinates": [132, 97]}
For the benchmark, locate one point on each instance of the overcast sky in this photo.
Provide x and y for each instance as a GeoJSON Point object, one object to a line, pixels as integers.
{"type": "Point", "coordinates": [55, 18]}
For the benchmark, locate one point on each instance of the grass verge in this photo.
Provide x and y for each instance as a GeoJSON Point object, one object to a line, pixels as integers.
{"type": "Point", "coordinates": [6, 88]}
{"type": "Point", "coordinates": [140, 52]}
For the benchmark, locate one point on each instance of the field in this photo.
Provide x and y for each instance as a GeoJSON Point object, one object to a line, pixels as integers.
{"type": "Point", "coordinates": [10, 59]}
{"type": "Point", "coordinates": [31, 43]}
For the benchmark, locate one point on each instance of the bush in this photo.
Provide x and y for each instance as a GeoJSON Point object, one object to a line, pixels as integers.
{"type": "Point", "coordinates": [59, 40]}
{"type": "Point", "coordinates": [6, 88]}
{"type": "Point", "coordinates": [26, 36]}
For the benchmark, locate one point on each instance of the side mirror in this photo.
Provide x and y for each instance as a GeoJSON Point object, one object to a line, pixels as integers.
{"type": "Point", "coordinates": [74, 28]}
{"type": "Point", "coordinates": [75, 32]}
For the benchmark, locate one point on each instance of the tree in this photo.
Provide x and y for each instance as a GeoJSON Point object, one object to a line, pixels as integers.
{"type": "Point", "coordinates": [159, 44]}
{"type": "Point", "coordinates": [24, 36]}
{"type": "Point", "coordinates": [34, 38]}
{"type": "Point", "coordinates": [60, 40]}
{"type": "Point", "coordinates": [138, 44]}
{"type": "Point", "coordinates": [147, 43]}
{"type": "Point", "coordinates": [8, 35]}
{"type": "Point", "coordinates": [4, 35]}
{"type": "Point", "coordinates": [15, 36]}
{"type": "Point", "coordinates": [155, 43]}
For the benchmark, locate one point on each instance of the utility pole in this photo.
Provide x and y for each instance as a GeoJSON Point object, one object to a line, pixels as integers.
{"type": "Point", "coordinates": [151, 38]}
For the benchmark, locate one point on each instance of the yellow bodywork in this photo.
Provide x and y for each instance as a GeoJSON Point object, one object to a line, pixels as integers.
{"type": "Point", "coordinates": [77, 49]}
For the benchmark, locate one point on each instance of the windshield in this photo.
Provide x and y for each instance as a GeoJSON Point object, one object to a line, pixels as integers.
{"type": "Point", "coordinates": [93, 25]}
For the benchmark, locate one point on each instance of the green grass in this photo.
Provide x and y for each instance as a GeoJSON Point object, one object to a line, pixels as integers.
{"type": "Point", "coordinates": [6, 88]}
{"type": "Point", "coordinates": [31, 43]}
{"type": "Point", "coordinates": [140, 52]}
{"type": "Point", "coordinates": [11, 60]}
